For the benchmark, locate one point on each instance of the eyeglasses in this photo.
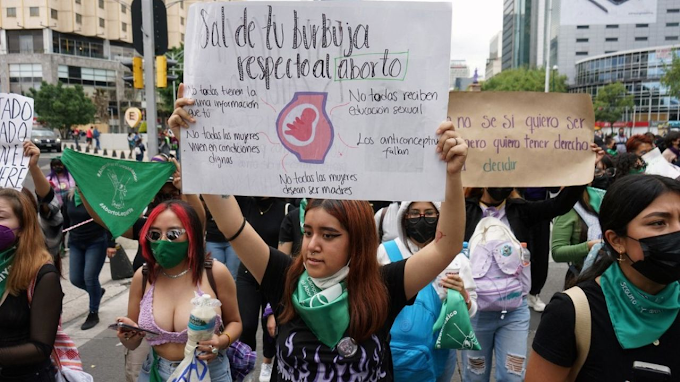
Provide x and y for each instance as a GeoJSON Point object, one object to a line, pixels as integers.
{"type": "Point", "coordinates": [430, 216]}
{"type": "Point", "coordinates": [171, 234]}
{"type": "Point", "coordinates": [611, 172]}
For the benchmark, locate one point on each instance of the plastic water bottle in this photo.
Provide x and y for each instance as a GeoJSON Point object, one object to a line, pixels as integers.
{"type": "Point", "coordinates": [526, 255]}
{"type": "Point", "coordinates": [465, 251]}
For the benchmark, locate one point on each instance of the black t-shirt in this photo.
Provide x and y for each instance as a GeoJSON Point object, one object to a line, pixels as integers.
{"type": "Point", "coordinates": [264, 215]}
{"type": "Point", "coordinates": [290, 230]}
{"type": "Point", "coordinates": [27, 331]}
{"type": "Point", "coordinates": [607, 360]}
{"type": "Point", "coordinates": [86, 233]}
{"type": "Point", "coordinates": [301, 356]}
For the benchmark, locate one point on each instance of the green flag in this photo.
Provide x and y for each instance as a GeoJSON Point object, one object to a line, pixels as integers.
{"type": "Point", "coordinates": [117, 190]}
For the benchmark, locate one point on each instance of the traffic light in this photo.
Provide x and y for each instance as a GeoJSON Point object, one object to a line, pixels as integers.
{"type": "Point", "coordinates": [162, 66]}
{"type": "Point", "coordinates": [137, 77]}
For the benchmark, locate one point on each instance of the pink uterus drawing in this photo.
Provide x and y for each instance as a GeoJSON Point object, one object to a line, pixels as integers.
{"type": "Point", "coordinates": [304, 127]}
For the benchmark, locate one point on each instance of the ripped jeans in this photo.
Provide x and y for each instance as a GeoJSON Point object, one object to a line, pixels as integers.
{"type": "Point", "coordinates": [506, 337]}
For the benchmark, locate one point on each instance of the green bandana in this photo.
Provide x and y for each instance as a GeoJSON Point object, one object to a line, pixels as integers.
{"type": "Point", "coordinates": [638, 318]}
{"type": "Point", "coordinates": [303, 207]}
{"type": "Point", "coordinates": [612, 152]}
{"type": "Point", "coordinates": [117, 190]}
{"type": "Point", "coordinates": [326, 312]}
{"type": "Point", "coordinates": [453, 324]}
{"type": "Point", "coordinates": [6, 260]}
{"type": "Point", "coordinates": [595, 195]}
{"type": "Point", "coordinates": [154, 374]}
{"type": "Point", "coordinates": [76, 198]}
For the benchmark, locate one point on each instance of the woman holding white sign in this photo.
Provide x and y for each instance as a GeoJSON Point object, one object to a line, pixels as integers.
{"type": "Point", "coordinates": [335, 304]}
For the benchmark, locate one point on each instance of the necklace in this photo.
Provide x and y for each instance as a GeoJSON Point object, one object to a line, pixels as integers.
{"type": "Point", "coordinates": [266, 209]}
{"type": "Point", "coordinates": [184, 272]}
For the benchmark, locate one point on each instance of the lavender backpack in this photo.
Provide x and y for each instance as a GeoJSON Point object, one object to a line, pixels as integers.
{"type": "Point", "coordinates": [498, 270]}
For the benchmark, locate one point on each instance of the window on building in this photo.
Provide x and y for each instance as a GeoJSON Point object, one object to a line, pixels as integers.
{"type": "Point", "coordinates": [34, 11]}
{"type": "Point", "coordinates": [671, 38]}
{"type": "Point", "coordinates": [54, 14]}
{"type": "Point", "coordinates": [123, 8]}
{"type": "Point", "coordinates": [611, 39]}
{"type": "Point", "coordinates": [581, 40]}
{"type": "Point", "coordinates": [101, 4]}
{"type": "Point", "coordinates": [674, 10]}
{"type": "Point", "coordinates": [102, 23]}
{"type": "Point", "coordinates": [581, 53]}
{"type": "Point", "coordinates": [124, 27]}
{"type": "Point", "coordinates": [181, 20]}
{"type": "Point", "coordinates": [79, 18]}
{"type": "Point", "coordinates": [24, 76]}
{"type": "Point", "coordinates": [182, 36]}
{"type": "Point", "coordinates": [79, 1]}
{"type": "Point", "coordinates": [641, 25]}
{"type": "Point", "coordinates": [583, 27]}
{"type": "Point", "coordinates": [181, 5]}
{"type": "Point", "coordinates": [612, 26]}
{"type": "Point", "coordinates": [609, 51]}
{"type": "Point", "coordinates": [640, 38]}
{"type": "Point", "coordinates": [673, 24]}
{"type": "Point", "coordinates": [11, 12]}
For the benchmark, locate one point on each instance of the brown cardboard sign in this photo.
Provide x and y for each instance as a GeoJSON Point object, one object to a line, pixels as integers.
{"type": "Point", "coordinates": [524, 139]}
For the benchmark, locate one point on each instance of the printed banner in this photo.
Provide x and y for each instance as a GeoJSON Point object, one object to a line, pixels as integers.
{"type": "Point", "coordinates": [519, 139]}
{"type": "Point", "coordinates": [117, 190]}
{"type": "Point", "coordinates": [316, 99]}
{"type": "Point", "coordinates": [16, 124]}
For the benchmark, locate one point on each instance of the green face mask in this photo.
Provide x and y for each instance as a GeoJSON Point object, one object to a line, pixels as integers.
{"type": "Point", "coordinates": [169, 254]}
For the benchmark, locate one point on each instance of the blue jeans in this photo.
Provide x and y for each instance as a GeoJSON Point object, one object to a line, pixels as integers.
{"type": "Point", "coordinates": [507, 337]}
{"type": "Point", "coordinates": [219, 368]}
{"type": "Point", "coordinates": [225, 254]}
{"type": "Point", "coordinates": [449, 368]}
{"type": "Point", "coordinates": [85, 264]}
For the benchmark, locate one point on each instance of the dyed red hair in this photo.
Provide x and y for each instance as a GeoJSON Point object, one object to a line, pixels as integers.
{"type": "Point", "coordinates": [191, 223]}
{"type": "Point", "coordinates": [635, 141]}
{"type": "Point", "coordinates": [368, 298]}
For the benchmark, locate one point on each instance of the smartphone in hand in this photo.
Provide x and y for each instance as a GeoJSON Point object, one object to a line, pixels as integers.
{"type": "Point", "coordinates": [129, 328]}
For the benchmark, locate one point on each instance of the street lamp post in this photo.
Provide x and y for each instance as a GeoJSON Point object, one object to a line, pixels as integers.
{"type": "Point", "coordinates": [554, 70]}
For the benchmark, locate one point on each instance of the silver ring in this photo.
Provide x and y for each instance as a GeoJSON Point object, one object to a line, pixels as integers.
{"type": "Point", "coordinates": [214, 350]}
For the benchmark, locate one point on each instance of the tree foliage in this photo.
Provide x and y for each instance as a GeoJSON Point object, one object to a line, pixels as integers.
{"type": "Point", "coordinates": [167, 101]}
{"type": "Point", "coordinates": [611, 101]}
{"type": "Point", "coordinates": [62, 107]}
{"type": "Point", "coordinates": [671, 77]}
{"type": "Point", "coordinates": [524, 79]}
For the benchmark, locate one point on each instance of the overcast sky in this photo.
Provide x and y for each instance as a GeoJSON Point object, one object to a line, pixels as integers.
{"type": "Point", "coordinates": [474, 23]}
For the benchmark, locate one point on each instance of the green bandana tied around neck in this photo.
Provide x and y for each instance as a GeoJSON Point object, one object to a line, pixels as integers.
{"type": "Point", "coordinates": [638, 318]}
{"type": "Point", "coordinates": [326, 312]}
{"type": "Point", "coordinates": [6, 260]}
{"type": "Point", "coordinates": [117, 190]}
{"type": "Point", "coordinates": [76, 198]}
{"type": "Point", "coordinates": [453, 325]}
{"type": "Point", "coordinates": [595, 195]}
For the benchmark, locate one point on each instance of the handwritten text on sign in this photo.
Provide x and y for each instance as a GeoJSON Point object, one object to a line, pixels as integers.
{"type": "Point", "coordinates": [524, 139]}
{"type": "Point", "coordinates": [316, 99]}
{"type": "Point", "coordinates": [16, 123]}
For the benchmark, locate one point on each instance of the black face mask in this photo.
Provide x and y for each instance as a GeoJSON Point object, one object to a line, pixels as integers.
{"type": "Point", "coordinates": [420, 229]}
{"type": "Point", "coordinates": [499, 194]}
{"type": "Point", "coordinates": [58, 169]}
{"type": "Point", "coordinates": [662, 258]}
{"type": "Point", "coordinates": [602, 182]}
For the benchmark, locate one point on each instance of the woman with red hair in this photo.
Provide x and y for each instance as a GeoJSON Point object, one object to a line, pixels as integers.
{"type": "Point", "coordinates": [334, 303]}
{"type": "Point", "coordinates": [173, 246]}
{"type": "Point", "coordinates": [639, 144]}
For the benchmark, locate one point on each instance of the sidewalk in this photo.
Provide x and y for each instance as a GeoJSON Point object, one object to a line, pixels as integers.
{"type": "Point", "coordinates": [106, 152]}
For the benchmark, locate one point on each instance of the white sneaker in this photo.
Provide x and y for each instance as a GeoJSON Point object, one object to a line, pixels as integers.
{"type": "Point", "coordinates": [535, 303]}
{"type": "Point", "coordinates": [265, 372]}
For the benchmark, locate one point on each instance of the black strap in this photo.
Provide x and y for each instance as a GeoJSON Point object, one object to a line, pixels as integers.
{"type": "Point", "coordinates": [208, 264]}
{"type": "Point", "coordinates": [382, 218]}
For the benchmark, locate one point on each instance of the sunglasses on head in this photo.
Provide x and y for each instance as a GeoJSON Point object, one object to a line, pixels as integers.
{"type": "Point", "coordinates": [171, 234]}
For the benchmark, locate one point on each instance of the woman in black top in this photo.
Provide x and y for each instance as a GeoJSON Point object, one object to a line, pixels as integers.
{"type": "Point", "coordinates": [27, 327]}
{"type": "Point", "coordinates": [87, 242]}
{"type": "Point", "coordinates": [348, 340]}
{"type": "Point", "coordinates": [632, 292]}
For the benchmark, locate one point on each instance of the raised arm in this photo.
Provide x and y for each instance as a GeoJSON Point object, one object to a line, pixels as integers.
{"type": "Point", "coordinates": [426, 264]}
{"type": "Point", "coordinates": [193, 200]}
{"type": "Point", "coordinates": [42, 185]}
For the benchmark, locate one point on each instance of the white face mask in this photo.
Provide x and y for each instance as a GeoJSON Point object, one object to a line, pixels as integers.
{"type": "Point", "coordinates": [334, 279]}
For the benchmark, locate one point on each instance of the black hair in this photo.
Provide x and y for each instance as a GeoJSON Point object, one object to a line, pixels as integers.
{"type": "Point", "coordinates": [670, 137]}
{"type": "Point", "coordinates": [607, 161]}
{"type": "Point", "coordinates": [608, 140]}
{"type": "Point", "coordinates": [625, 162]}
{"type": "Point", "coordinates": [618, 210]}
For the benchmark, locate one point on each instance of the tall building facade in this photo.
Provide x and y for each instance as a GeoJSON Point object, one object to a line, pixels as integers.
{"type": "Point", "coordinates": [457, 69]}
{"type": "Point", "coordinates": [75, 42]}
{"type": "Point", "coordinates": [523, 32]}
{"type": "Point", "coordinates": [493, 63]}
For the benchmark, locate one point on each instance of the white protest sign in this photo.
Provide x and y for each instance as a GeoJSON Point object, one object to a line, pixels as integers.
{"type": "Point", "coordinates": [316, 99]}
{"type": "Point", "coordinates": [16, 123]}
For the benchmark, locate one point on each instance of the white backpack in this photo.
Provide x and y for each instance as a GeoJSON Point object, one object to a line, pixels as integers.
{"type": "Point", "coordinates": [501, 275]}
